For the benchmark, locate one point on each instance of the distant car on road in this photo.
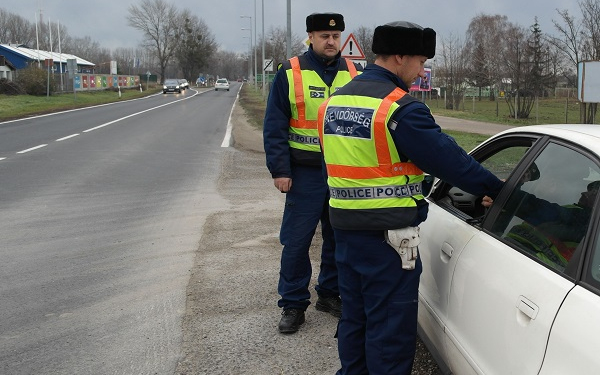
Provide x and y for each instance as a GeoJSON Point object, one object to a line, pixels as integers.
{"type": "Point", "coordinates": [222, 84]}
{"type": "Point", "coordinates": [171, 85]}
{"type": "Point", "coordinates": [515, 288]}
{"type": "Point", "coordinates": [183, 83]}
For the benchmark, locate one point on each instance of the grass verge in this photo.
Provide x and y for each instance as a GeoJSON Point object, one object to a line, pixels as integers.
{"type": "Point", "coordinates": [253, 103]}
{"type": "Point", "coordinates": [19, 106]}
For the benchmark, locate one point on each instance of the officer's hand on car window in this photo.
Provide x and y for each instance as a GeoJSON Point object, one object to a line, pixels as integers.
{"type": "Point", "coordinates": [487, 201]}
{"type": "Point", "coordinates": [283, 184]}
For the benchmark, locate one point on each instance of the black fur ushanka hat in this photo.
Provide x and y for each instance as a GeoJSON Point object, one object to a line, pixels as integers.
{"type": "Point", "coordinates": [325, 21]}
{"type": "Point", "coordinates": [403, 38]}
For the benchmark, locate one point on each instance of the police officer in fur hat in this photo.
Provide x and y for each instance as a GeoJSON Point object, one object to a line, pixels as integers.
{"type": "Point", "coordinates": [293, 158]}
{"type": "Point", "coordinates": [377, 141]}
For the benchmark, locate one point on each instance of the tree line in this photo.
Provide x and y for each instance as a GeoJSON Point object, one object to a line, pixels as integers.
{"type": "Point", "coordinates": [175, 43]}
{"type": "Point", "coordinates": [522, 63]}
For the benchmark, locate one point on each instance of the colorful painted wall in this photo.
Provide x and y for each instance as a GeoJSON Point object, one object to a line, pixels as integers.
{"type": "Point", "coordinates": [87, 82]}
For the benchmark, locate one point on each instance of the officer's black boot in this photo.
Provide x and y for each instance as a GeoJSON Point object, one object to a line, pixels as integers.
{"type": "Point", "coordinates": [291, 319]}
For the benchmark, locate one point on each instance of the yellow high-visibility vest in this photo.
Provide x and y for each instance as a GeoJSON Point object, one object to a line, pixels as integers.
{"type": "Point", "coordinates": [307, 92]}
{"type": "Point", "coordinates": [370, 186]}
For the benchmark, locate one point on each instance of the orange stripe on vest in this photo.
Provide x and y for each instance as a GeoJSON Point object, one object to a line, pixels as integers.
{"type": "Point", "coordinates": [302, 122]}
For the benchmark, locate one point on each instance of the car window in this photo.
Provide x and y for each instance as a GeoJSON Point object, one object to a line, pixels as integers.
{"type": "Point", "coordinates": [548, 211]}
{"type": "Point", "coordinates": [500, 158]}
{"type": "Point", "coordinates": [503, 162]}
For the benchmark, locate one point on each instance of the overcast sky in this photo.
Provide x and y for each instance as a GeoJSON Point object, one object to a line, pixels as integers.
{"type": "Point", "coordinates": [105, 21]}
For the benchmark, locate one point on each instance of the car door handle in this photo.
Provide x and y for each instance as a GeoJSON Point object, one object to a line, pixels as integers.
{"type": "Point", "coordinates": [447, 251]}
{"type": "Point", "coordinates": [527, 307]}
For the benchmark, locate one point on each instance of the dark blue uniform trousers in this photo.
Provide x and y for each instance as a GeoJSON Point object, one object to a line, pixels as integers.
{"type": "Point", "coordinates": [378, 329]}
{"type": "Point", "coordinates": [305, 205]}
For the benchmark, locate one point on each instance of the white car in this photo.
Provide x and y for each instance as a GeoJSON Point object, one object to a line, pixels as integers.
{"type": "Point", "coordinates": [516, 289]}
{"type": "Point", "coordinates": [222, 84]}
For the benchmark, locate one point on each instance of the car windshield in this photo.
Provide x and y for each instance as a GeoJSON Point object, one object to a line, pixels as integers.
{"type": "Point", "coordinates": [171, 82]}
{"type": "Point", "coordinates": [221, 81]}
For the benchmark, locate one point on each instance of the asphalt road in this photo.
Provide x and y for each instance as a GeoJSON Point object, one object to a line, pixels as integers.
{"type": "Point", "coordinates": [102, 211]}
{"type": "Point", "coordinates": [469, 126]}
{"type": "Point", "coordinates": [134, 243]}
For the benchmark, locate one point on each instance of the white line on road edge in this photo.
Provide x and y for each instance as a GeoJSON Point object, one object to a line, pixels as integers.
{"type": "Point", "coordinates": [2, 158]}
{"type": "Point", "coordinates": [227, 139]}
{"type": "Point", "coordinates": [31, 149]}
{"type": "Point", "coordinates": [67, 137]}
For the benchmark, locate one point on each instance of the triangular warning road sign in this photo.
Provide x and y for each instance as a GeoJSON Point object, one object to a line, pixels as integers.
{"type": "Point", "coordinates": [351, 49]}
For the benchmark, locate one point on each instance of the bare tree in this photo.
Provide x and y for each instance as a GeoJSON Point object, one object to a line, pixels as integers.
{"type": "Point", "coordinates": [515, 59]}
{"type": "Point", "coordinates": [364, 37]}
{"type": "Point", "coordinates": [483, 38]}
{"type": "Point", "coordinates": [87, 49]}
{"type": "Point", "coordinates": [451, 70]}
{"type": "Point", "coordinates": [568, 42]}
{"type": "Point", "coordinates": [196, 47]}
{"type": "Point", "coordinates": [590, 10]}
{"type": "Point", "coordinates": [160, 23]}
{"type": "Point", "coordinates": [531, 69]}
{"type": "Point", "coordinates": [275, 45]}
{"type": "Point", "coordinates": [225, 64]}
{"type": "Point", "coordinates": [126, 60]}
{"type": "Point", "coordinates": [16, 29]}
{"type": "Point", "coordinates": [579, 41]}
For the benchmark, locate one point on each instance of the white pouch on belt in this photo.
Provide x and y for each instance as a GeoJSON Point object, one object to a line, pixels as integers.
{"type": "Point", "coordinates": [405, 242]}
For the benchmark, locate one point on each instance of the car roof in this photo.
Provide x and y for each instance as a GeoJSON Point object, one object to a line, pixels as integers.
{"type": "Point", "coordinates": [587, 135]}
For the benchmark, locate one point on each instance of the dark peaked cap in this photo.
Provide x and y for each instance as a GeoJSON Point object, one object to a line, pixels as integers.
{"type": "Point", "coordinates": [325, 21]}
{"type": "Point", "coordinates": [403, 38]}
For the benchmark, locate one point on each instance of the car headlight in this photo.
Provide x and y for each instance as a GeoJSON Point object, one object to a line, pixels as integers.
{"type": "Point", "coordinates": [165, 87]}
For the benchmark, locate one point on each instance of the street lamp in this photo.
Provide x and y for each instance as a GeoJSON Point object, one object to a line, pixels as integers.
{"type": "Point", "coordinates": [263, 50]}
{"type": "Point", "coordinates": [251, 47]}
{"type": "Point", "coordinates": [249, 53]}
{"type": "Point", "coordinates": [256, 47]}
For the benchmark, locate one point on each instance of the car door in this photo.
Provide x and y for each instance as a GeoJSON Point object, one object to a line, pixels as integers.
{"type": "Point", "coordinates": [512, 277]}
{"type": "Point", "coordinates": [491, 297]}
{"type": "Point", "coordinates": [575, 335]}
{"type": "Point", "coordinates": [448, 229]}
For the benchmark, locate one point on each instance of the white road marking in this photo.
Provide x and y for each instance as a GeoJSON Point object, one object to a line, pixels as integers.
{"type": "Point", "coordinates": [135, 114]}
{"type": "Point", "coordinates": [227, 139]}
{"type": "Point", "coordinates": [31, 149]}
{"type": "Point", "coordinates": [67, 137]}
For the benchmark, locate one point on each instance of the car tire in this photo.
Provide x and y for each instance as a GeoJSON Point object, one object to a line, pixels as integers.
{"type": "Point", "coordinates": [164, 92]}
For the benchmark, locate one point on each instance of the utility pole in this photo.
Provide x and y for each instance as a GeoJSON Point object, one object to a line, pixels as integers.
{"type": "Point", "coordinates": [264, 80]}
{"type": "Point", "coordinates": [288, 35]}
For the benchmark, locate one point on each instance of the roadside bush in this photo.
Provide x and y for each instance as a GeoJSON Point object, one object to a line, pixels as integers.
{"type": "Point", "coordinates": [35, 80]}
{"type": "Point", "coordinates": [10, 88]}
